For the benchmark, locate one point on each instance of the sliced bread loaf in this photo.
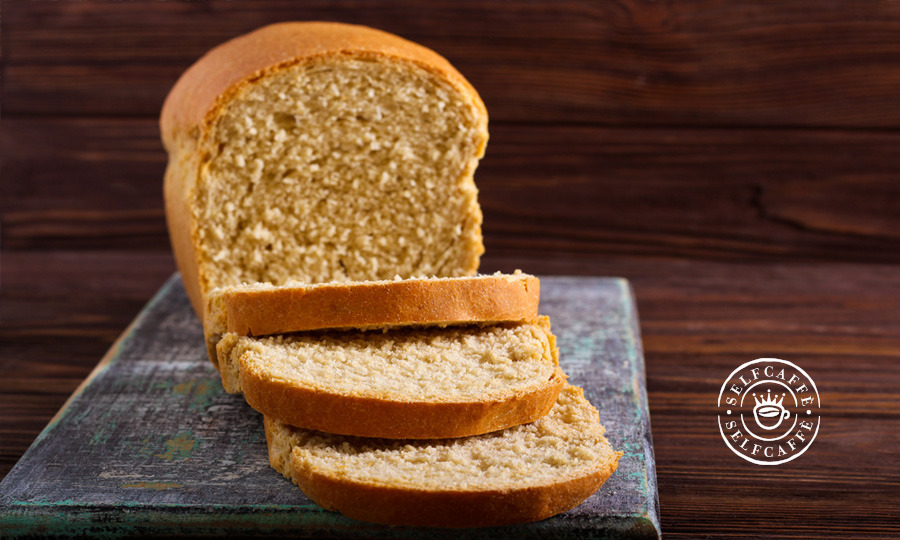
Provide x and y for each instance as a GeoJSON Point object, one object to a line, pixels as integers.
{"type": "Point", "coordinates": [521, 474]}
{"type": "Point", "coordinates": [265, 309]}
{"type": "Point", "coordinates": [421, 383]}
{"type": "Point", "coordinates": [319, 152]}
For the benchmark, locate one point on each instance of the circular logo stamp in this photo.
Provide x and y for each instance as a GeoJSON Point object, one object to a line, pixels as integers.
{"type": "Point", "coordinates": [769, 411]}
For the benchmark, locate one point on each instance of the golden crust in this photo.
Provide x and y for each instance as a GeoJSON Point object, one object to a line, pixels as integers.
{"type": "Point", "coordinates": [198, 96]}
{"type": "Point", "coordinates": [396, 505]}
{"type": "Point", "coordinates": [366, 305]}
{"type": "Point", "coordinates": [364, 416]}
{"type": "Point", "coordinates": [180, 180]}
{"type": "Point", "coordinates": [382, 304]}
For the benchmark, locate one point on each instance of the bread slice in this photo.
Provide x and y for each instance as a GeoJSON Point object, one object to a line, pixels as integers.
{"type": "Point", "coordinates": [265, 309]}
{"type": "Point", "coordinates": [521, 474]}
{"type": "Point", "coordinates": [404, 383]}
{"type": "Point", "coordinates": [319, 152]}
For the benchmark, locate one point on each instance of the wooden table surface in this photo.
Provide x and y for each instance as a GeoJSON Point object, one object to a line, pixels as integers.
{"type": "Point", "coordinates": [737, 161]}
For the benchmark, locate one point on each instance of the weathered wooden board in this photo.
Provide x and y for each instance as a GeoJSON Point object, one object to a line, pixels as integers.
{"type": "Point", "coordinates": [151, 445]}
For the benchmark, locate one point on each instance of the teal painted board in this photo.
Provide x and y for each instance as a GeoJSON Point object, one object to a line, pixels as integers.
{"type": "Point", "coordinates": [152, 445]}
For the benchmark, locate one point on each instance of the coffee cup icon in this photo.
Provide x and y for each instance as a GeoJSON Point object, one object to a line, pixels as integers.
{"type": "Point", "coordinates": [769, 411]}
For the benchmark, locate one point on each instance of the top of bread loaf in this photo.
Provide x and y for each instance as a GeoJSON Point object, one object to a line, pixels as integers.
{"type": "Point", "coordinates": [195, 100]}
{"type": "Point", "coordinates": [320, 152]}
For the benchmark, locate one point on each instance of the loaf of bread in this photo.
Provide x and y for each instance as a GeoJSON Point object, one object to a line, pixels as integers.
{"type": "Point", "coordinates": [321, 152]}
{"type": "Point", "coordinates": [421, 383]}
{"type": "Point", "coordinates": [323, 215]}
{"type": "Point", "coordinates": [265, 309]}
{"type": "Point", "coordinates": [521, 474]}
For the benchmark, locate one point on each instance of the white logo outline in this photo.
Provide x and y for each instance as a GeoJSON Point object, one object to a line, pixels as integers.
{"type": "Point", "coordinates": [818, 405]}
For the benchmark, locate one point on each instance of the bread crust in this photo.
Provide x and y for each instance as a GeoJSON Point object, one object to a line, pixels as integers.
{"type": "Point", "coordinates": [370, 304]}
{"type": "Point", "coordinates": [182, 173]}
{"type": "Point", "coordinates": [365, 416]}
{"type": "Point", "coordinates": [209, 84]}
{"type": "Point", "coordinates": [382, 304]}
{"type": "Point", "coordinates": [396, 505]}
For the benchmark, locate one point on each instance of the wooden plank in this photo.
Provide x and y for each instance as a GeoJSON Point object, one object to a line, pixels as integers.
{"type": "Point", "coordinates": [58, 313]}
{"type": "Point", "coordinates": [152, 431]}
{"type": "Point", "coordinates": [694, 193]}
{"type": "Point", "coordinates": [712, 62]}
{"type": "Point", "coordinates": [102, 189]}
{"type": "Point", "coordinates": [729, 194]}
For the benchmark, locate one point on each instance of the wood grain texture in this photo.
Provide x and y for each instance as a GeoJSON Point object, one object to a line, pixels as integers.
{"type": "Point", "coordinates": [712, 62]}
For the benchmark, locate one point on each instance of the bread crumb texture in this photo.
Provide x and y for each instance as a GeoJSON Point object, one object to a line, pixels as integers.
{"type": "Point", "coordinates": [454, 364]}
{"type": "Point", "coordinates": [342, 168]}
{"type": "Point", "coordinates": [568, 443]}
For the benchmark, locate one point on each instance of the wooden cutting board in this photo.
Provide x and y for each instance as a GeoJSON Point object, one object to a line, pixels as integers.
{"type": "Point", "coordinates": [150, 444]}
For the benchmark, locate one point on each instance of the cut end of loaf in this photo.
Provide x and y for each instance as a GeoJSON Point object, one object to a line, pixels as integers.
{"type": "Point", "coordinates": [343, 168]}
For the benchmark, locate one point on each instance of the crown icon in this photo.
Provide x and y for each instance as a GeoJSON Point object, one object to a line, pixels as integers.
{"type": "Point", "coordinates": [769, 409]}
{"type": "Point", "coordinates": [769, 400]}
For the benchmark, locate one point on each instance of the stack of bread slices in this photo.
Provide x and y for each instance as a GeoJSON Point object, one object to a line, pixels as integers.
{"type": "Point", "coordinates": [323, 214]}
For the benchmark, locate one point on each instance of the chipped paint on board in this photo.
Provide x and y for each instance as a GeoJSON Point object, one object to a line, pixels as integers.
{"type": "Point", "coordinates": [178, 447]}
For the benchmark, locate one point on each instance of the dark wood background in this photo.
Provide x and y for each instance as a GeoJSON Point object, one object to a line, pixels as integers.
{"type": "Point", "coordinates": [739, 162]}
